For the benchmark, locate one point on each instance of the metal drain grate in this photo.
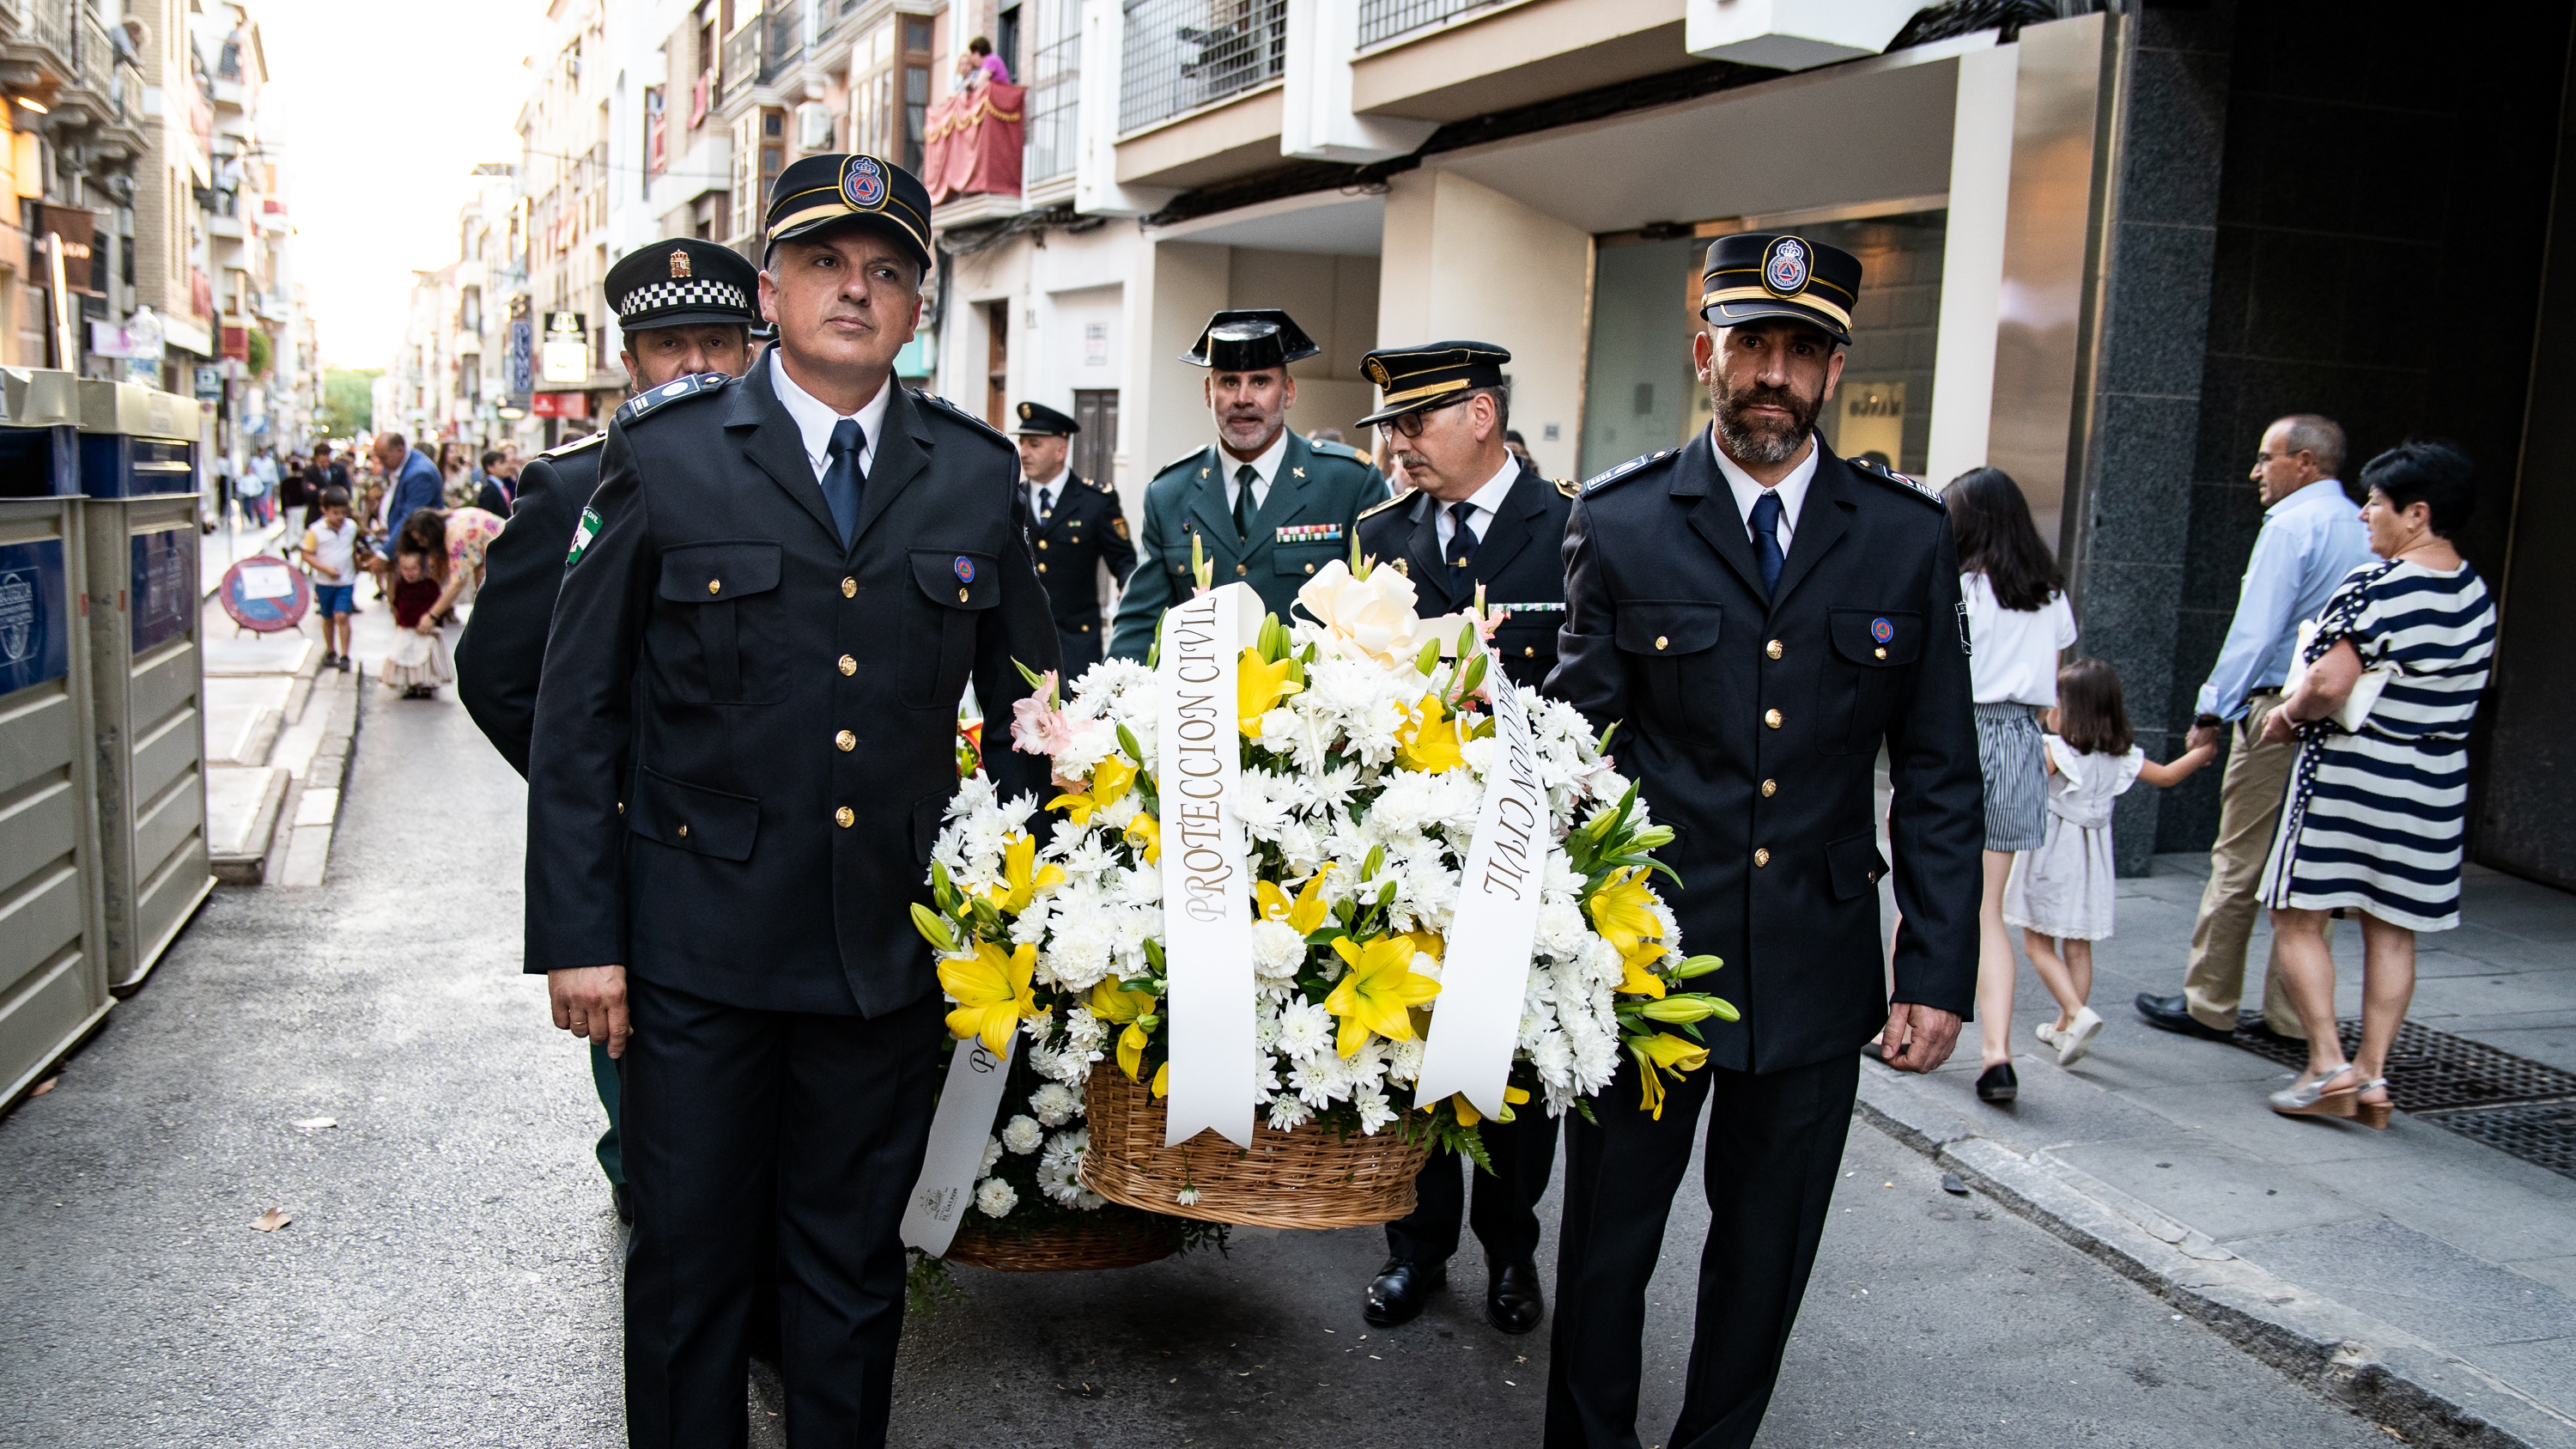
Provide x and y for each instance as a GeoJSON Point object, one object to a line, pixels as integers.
{"type": "Point", "coordinates": [2513, 1104]}
{"type": "Point", "coordinates": [2543, 1133]}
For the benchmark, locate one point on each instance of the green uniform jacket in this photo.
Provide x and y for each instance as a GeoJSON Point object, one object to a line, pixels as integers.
{"type": "Point", "coordinates": [1308, 520]}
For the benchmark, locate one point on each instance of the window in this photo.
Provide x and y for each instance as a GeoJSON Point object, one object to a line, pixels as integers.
{"type": "Point", "coordinates": [657, 134]}
{"type": "Point", "coordinates": [469, 377]}
{"type": "Point", "coordinates": [469, 310]}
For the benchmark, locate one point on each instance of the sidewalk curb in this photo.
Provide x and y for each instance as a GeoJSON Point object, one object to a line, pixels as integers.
{"type": "Point", "coordinates": [2423, 1392]}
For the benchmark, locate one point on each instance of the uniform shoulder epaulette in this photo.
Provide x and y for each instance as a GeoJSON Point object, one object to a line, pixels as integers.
{"type": "Point", "coordinates": [1192, 456]}
{"type": "Point", "coordinates": [575, 446]}
{"type": "Point", "coordinates": [1103, 485]}
{"type": "Point", "coordinates": [1338, 450]}
{"type": "Point", "coordinates": [1568, 487]}
{"type": "Point", "coordinates": [653, 399]}
{"type": "Point", "coordinates": [1891, 476]}
{"type": "Point", "coordinates": [963, 416]}
{"type": "Point", "coordinates": [1633, 466]}
{"type": "Point", "coordinates": [1368, 513]}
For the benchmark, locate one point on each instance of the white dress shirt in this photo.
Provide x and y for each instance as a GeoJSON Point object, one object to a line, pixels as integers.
{"type": "Point", "coordinates": [1265, 468]}
{"type": "Point", "coordinates": [1054, 485]}
{"type": "Point", "coordinates": [815, 419]}
{"type": "Point", "coordinates": [1482, 505]}
{"type": "Point", "coordinates": [1792, 489]}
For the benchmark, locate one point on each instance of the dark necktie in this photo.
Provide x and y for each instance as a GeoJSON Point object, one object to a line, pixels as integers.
{"type": "Point", "coordinates": [1046, 504]}
{"type": "Point", "coordinates": [1766, 538]}
{"type": "Point", "coordinates": [1244, 507]}
{"type": "Point", "coordinates": [842, 483]}
{"type": "Point", "coordinates": [1462, 541]}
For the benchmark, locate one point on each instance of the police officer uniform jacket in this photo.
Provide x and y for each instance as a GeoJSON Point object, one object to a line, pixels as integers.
{"type": "Point", "coordinates": [1755, 722]}
{"type": "Point", "coordinates": [1084, 530]}
{"type": "Point", "coordinates": [792, 704]}
{"type": "Point", "coordinates": [1306, 522]}
{"type": "Point", "coordinates": [1520, 561]}
{"type": "Point", "coordinates": [504, 645]}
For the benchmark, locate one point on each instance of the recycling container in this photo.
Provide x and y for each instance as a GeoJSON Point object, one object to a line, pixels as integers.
{"type": "Point", "coordinates": [39, 433]}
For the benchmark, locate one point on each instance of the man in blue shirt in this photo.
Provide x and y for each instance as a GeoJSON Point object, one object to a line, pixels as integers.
{"type": "Point", "coordinates": [2311, 537]}
{"type": "Point", "coordinates": [415, 484]}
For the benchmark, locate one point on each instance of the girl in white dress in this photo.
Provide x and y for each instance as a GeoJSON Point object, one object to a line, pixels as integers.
{"type": "Point", "coordinates": [2061, 893]}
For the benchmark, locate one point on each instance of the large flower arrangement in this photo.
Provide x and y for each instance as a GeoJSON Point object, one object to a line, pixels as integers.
{"type": "Point", "coordinates": [1365, 736]}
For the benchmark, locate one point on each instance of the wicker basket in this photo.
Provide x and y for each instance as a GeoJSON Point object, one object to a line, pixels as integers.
{"type": "Point", "coordinates": [1115, 1238]}
{"type": "Point", "coordinates": [1309, 1178]}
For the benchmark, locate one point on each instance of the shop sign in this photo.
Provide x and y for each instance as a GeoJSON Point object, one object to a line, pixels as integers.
{"type": "Point", "coordinates": [566, 357]}
{"type": "Point", "coordinates": [561, 405]}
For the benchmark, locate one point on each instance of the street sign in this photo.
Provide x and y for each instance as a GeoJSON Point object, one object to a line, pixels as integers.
{"type": "Point", "coordinates": [519, 366]}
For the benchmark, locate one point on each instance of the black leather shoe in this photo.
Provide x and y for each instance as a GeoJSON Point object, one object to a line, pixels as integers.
{"type": "Point", "coordinates": [2251, 1023]}
{"type": "Point", "coordinates": [1400, 1289]}
{"type": "Point", "coordinates": [1998, 1084]}
{"type": "Point", "coordinates": [1513, 1302]}
{"type": "Point", "coordinates": [2168, 1013]}
{"type": "Point", "coordinates": [624, 1205]}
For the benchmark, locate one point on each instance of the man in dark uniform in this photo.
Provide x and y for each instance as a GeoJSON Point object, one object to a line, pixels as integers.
{"type": "Point", "coordinates": [1760, 616]}
{"type": "Point", "coordinates": [1266, 506]}
{"type": "Point", "coordinates": [744, 744]}
{"type": "Point", "coordinates": [1076, 528]}
{"type": "Point", "coordinates": [1477, 515]}
{"type": "Point", "coordinates": [686, 307]}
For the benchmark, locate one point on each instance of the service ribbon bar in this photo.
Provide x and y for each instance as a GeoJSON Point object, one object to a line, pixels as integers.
{"type": "Point", "coordinates": [1207, 889]}
{"type": "Point", "coordinates": [968, 1097]}
{"type": "Point", "coordinates": [1486, 966]}
{"type": "Point", "coordinates": [1310, 533]}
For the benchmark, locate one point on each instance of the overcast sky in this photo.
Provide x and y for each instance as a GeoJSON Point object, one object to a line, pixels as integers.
{"type": "Point", "coordinates": [386, 109]}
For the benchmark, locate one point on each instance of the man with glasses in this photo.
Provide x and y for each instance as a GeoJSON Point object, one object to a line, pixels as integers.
{"type": "Point", "coordinates": [1477, 516]}
{"type": "Point", "coordinates": [1265, 506]}
{"type": "Point", "coordinates": [2311, 537]}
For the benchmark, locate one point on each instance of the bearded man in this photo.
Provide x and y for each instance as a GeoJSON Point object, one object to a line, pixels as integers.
{"type": "Point", "coordinates": [1761, 616]}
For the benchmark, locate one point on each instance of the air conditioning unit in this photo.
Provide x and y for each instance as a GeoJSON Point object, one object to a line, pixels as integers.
{"type": "Point", "coordinates": [813, 127]}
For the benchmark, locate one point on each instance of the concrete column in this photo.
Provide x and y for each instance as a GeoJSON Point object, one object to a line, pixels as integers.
{"type": "Point", "coordinates": [1186, 282]}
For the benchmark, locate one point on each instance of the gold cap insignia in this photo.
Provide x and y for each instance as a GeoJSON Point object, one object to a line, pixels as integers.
{"type": "Point", "coordinates": [679, 264]}
{"type": "Point", "coordinates": [1377, 372]}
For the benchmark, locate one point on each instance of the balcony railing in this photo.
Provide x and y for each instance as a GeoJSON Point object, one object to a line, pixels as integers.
{"type": "Point", "coordinates": [1182, 54]}
{"type": "Point", "coordinates": [760, 49]}
{"type": "Point", "coordinates": [1387, 19]}
{"type": "Point", "coordinates": [1055, 90]}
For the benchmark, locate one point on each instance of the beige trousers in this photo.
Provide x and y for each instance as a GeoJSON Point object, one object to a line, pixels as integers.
{"type": "Point", "coordinates": [2249, 810]}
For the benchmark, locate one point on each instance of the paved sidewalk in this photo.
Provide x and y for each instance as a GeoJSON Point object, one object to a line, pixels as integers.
{"type": "Point", "coordinates": [2412, 1267]}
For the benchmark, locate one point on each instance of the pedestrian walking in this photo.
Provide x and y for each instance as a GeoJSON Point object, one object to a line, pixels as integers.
{"type": "Point", "coordinates": [419, 663]}
{"type": "Point", "coordinates": [2060, 893]}
{"type": "Point", "coordinates": [458, 483]}
{"type": "Point", "coordinates": [2310, 539]}
{"type": "Point", "coordinates": [330, 551]}
{"type": "Point", "coordinates": [1760, 617]}
{"type": "Point", "coordinates": [2378, 795]}
{"type": "Point", "coordinates": [1478, 519]}
{"type": "Point", "coordinates": [1077, 529]}
{"type": "Point", "coordinates": [2020, 621]}
{"type": "Point", "coordinates": [411, 484]}
{"type": "Point", "coordinates": [254, 492]}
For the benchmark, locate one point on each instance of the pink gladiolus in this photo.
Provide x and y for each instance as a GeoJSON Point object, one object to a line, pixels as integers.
{"type": "Point", "coordinates": [1037, 727]}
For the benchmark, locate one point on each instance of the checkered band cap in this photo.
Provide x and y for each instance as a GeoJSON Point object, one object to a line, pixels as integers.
{"type": "Point", "coordinates": [695, 295]}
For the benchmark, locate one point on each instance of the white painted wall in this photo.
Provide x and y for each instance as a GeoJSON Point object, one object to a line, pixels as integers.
{"type": "Point", "coordinates": [1972, 263]}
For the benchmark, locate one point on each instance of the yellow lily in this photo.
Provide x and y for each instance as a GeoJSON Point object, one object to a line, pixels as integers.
{"type": "Point", "coordinates": [1145, 833]}
{"type": "Point", "coordinates": [1468, 1116]}
{"type": "Point", "coordinates": [1374, 994]}
{"type": "Point", "coordinates": [1163, 1080]}
{"type": "Point", "coordinates": [1112, 1002]}
{"type": "Point", "coordinates": [1426, 942]}
{"type": "Point", "coordinates": [1662, 1052]}
{"type": "Point", "coordinates": [1021, 880]}
{"type": "Point", "coordinates": [1623, 911]}
{"type": "Point", "coordinates": [1430, 743]}
{"type": "Point", "coordinates": [991, 991]}
{"type": "Point", "coordinates": [1109, 783]}
{"type": "Point", "coordinates": [1258, 688]}
{"type": "Point", "coordinates": [1306, 915]}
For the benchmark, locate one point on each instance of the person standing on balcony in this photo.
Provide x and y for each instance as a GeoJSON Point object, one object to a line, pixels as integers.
{"type": "Point", "coordinates": [1264, 506]}
{"type": "Point", "coordinates": [979, 64]}
{"type": "Point", "coordinates": [1076, 529]}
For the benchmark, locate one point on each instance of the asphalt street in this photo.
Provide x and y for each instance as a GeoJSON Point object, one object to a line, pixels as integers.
{"type": "Point", "coordinates": [450, 1276]}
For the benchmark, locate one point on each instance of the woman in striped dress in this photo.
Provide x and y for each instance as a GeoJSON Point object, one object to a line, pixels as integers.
{"type": "Point", "coordinates": [2375, 815]}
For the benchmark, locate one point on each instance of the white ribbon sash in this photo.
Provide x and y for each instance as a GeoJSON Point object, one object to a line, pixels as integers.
{"type": "Point", "coordinates": [968, 1099]}
{"type": "Point", "coordinates": [1207, 890]}
{"type": "Point", "coordinates": [1485, 968]}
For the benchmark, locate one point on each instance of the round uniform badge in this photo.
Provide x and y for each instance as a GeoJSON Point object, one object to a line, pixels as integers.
{"type": "Point", "coordinates": [1784, 266]}
{"type": "Point", "coordinates": [863, 183]}
{"type": "Point", "coordinates": [1881, 630]}
{"type": "Point", "coordinates": [965, 569]}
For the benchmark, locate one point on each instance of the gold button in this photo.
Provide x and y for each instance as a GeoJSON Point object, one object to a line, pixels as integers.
{"type": "Point", "coordinates": [715, 586]}
{"type": "Point", "coordinates": [1086, 628]}
{"type": "Point", "coordinates": [846, 740]}
{"type": "Point", "coordinates": [1771, 717]}
{"type": "Point", "coordinates": [1242, 569]}
{"type": "Point", "coordinates": [1529, 651]}
{"type": "Point", "coordinates": [1661, 641]}
{"type": "Point", "coordinates": [1881, 653]}
{"type": "Point", "coordinates": [684, 832]}
{"type": "Point", "coordinates": [1310, 568]}
{"type": "Point", "coordinates": [846, 817]}
{"type": "Point", "coordinates": [621, 807]}
{"type": "Point", "coordinates": [1761, 857]}
{"type": "Point", "coordinates": [849, 588]}
{"type": "Point", "coordinates": [1042, 543]}
{"type": "Point", "coordinates": [1870, 875]}
{"type": "Point", "coordinates": [1772, 648]}
{"type": "Point", "coordinates": [849, 665]}
{"type": "Point", "coordinates": [1770, 788]}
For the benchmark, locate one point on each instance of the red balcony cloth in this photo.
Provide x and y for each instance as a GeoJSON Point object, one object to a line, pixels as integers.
{"type": "Point", "coordinates": [972, 143]}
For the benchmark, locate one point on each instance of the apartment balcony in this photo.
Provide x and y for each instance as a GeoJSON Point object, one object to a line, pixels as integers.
{"type": "Point", "coordinates": [1447, 60]}
{"type": "Point", "coordinates": [57, 53]}
{"type": "Point", "coordinates": [760, 50]}
{"type": "Point", "coordinates": [1198, 90]}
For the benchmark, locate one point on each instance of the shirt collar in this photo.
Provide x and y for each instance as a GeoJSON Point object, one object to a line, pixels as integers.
{"type": "Point", "coordinates": [814, 417]}
{"type": "Point", "coordinates": [1266, 467]}
{"type": "Point", "coordinates": [1063, 472]}
{"type": "Point", "coordinates": [1497, 488]}
{"type": "Point", "coordinates": [2314, 495]}
{"type": "Point", "coordinates": [1792, 489]}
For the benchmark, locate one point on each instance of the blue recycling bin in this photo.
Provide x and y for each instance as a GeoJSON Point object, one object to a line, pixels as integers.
{"type": "Point", "coordinates": [39, 433]}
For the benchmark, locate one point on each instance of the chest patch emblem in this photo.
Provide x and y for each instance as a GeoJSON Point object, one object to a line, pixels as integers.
{"type": "Point", "coordinates": [964, 568]}
{"type": "Point", "coordinates": [1881, 630]}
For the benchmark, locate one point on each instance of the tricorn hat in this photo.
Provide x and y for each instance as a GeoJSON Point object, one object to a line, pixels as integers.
{"type": "Point", "coordinates": [1250, 340]}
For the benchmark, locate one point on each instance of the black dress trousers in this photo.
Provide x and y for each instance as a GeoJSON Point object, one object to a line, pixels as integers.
{"type": "Point", "coordinates": [1775, 1143]}
{"type": "Point", "coordinates": [1505, 1212]}
{"type": "Point", "coordinates": [714, 1096]}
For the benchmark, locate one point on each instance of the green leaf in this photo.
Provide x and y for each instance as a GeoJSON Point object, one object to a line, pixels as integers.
{"type": "Point", "coordinates": [1030, 676]}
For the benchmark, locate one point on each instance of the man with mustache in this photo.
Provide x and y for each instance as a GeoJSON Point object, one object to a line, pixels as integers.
{"type": "Point", "coordinates": [1265, 506]}
{"type": "Point", "coordinates": [1760, 616]}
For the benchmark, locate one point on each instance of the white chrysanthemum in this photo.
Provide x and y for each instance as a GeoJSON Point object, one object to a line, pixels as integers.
{"type": "Point", "coordinates": [1404, 1058]}
{"type": "Point", "coordinates": [1021, 1135]}
{"type": "Point", "coordinates": [1060, 1168]}
{"type": "Point", "coordinates": [1288, 1113]}
{"type": "Point", "coordinates": [992, 1154]}
{"type": "Point", "coordinates": [1279, 731]}
{"type": "Point", "coordinates": [1554, 1061]}
{"type": "Point", "coordinates": [1055, 1104]}
{"type": "Point", "coordinates": [1084, 1033]}
{"type": "Point", "coordinates": [1562, 932]}
{"type": "Point", "coordinates": [1305, 1028]}
{"type": "Point", "coordinates": [1374, 1109]}
{"type": "Point", "coordinates": [1277, 950]}
{"type": "Point", "coordinates": [995, 1198]}
{"type": "Point", "coordinates": [1038, 1025]}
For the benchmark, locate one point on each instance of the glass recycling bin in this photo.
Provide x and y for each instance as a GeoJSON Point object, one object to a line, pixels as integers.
{"type": "Point", "coordinates": [39, 433]}
{"type": "Point", "coordinates": [138, 472]}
